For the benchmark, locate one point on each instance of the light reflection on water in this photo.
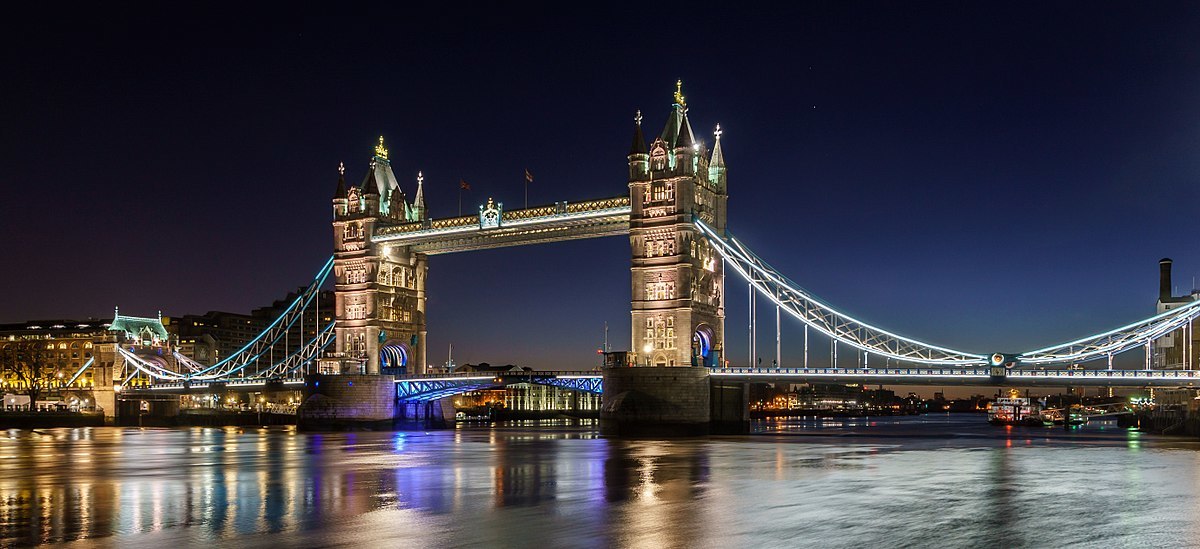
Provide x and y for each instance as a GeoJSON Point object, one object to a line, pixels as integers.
{"type": "Point", "coordinates": [909, 481]}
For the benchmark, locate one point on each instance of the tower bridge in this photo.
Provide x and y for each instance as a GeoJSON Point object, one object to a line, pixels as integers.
{"type": "Point", "coordinates": [677, 371]}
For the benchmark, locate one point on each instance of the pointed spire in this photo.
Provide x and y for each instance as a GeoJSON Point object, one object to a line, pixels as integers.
{"type": "Point", "coordinates": [671, 132]}
{"type": "Point", "coordinates": [718, 159]}
{"type": "Point", "coordinates": [686, 139]}
{"type": "Point", "coordinates": [340, 193]}
{"type": "Point", "coordinates": [639, 141]}
{"type": "Point", "coordinates": [419, 200]}
{"type": "Point", "coordinates": [369, 185]}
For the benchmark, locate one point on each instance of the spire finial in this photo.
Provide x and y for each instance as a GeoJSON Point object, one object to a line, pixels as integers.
{"type": "Point", "coordinates": [679, 99]}
{"type": "Point", "coordinates": [420, 178]}
{"type": "Point", "coordinates": [638, 117]}
{"type": "Point", "coordinates": [341, 168]}
{"type": "Point", "coordinates": [379, 150]}
{"type": "Point", "coordinates": [717, 132]}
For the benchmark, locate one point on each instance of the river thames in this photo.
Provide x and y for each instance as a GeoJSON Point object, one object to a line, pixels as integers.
{"type": "Point", "coordinates": [944, 480]}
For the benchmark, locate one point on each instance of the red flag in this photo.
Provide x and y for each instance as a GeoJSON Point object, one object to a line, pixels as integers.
{"type": "Point", "coordinates": [462, 184]}
{"type": "Point", "coordinates": [528, 176]}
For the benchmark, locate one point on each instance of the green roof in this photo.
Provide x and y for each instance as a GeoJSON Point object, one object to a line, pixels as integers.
{"type": "Point", "coordinates": [136, 325]}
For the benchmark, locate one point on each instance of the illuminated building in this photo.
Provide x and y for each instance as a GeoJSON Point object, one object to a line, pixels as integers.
{"type": "Point", "coordinates": [677, 301]}
{"type": "Point", "coordinates": [1176, 350]}
{"type": "Point", "coordinates": [380, 289]}
{"type": "Point", "coordinates": [68, 344]}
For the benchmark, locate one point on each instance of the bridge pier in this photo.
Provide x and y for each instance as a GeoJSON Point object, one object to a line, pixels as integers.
{"type": "Point", "coordinates": [347, 401]}
{"type": "Point", "coordinates": [729, 407]}
{"type": "Point", "coordinates": [671, 401]}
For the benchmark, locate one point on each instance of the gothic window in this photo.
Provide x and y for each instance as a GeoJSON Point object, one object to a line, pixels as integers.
{"type": "Point", "coordinates": [356, 311]}
{"type": "Point", "coordinates": [660, 290]}
{"type": "Point", "coordinates": [658, 156]}
{"type": "Point", "coordinates": [398, 277]}
{"type": "Point", "coordinates": [357, 342]}
{"type": "Point", "coordinates": [356, 275]}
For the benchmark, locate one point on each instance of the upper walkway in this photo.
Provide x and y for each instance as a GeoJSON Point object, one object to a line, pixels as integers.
{"type": "Point", "coordinates": [494, 227]}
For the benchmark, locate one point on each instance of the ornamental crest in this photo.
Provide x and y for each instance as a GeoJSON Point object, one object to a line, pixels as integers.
{"type": "Point", "coordinates": [491, 215]}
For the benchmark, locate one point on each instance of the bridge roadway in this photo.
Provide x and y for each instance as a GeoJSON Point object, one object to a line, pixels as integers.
{"type": "Point", "coordinates": [434, 386]}
{"type": "Point", "coordinates": [1016, 377]}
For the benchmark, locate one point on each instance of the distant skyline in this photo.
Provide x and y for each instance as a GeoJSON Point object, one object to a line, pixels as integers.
{"type": "Point", "coordinates": [989, 177]}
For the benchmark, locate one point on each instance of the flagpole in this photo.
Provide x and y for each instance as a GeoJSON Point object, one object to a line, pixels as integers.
{"type": "Point", "coordinates": [460, 200]}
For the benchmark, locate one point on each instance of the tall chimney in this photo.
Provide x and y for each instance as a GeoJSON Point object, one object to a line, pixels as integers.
{"type": "Point", "coordinates": [1164, 279]}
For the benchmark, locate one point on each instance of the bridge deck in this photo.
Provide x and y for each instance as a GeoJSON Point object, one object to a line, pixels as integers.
{"type": "Point", "coordinates": [969, 376]}
{"type": "Point", "coordinates": [559, 222]}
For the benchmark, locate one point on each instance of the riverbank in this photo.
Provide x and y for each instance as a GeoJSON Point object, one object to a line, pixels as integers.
{"type": "Point", "coordinates": [766, 414]}
{"type": "Point", "coordinates": [1165, 422]}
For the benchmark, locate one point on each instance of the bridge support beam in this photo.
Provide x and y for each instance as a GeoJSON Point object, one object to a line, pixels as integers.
{"type": "Point", "coordinates": [655, 401]}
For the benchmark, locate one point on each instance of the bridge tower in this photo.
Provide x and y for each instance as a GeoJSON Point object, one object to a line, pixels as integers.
{"type": "Point", "coordinates": [678, 314]}
{"type": "Point", "coordinates": [379, 288]}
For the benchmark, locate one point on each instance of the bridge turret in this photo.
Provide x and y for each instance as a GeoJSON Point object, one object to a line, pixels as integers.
{"type": "Point", "coordinates": [418, 209]}
{"type": "Point", "coordinates": [639, 159]}
{"type": "Point", "coordinates": [340, 198]}
{"type": "Point", "coordinates": [716, 165]}
{"type": "Point", "coordinates": [369, 190]}
{"type": "Point", "coordinates": [686, 148]}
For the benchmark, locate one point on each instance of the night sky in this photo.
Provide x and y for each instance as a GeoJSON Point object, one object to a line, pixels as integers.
{"type": "Point", "coordinates": [985, 176]}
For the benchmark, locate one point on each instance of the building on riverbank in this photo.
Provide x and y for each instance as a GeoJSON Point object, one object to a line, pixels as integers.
{"type": "Point", "coordinates": [1176, 350]}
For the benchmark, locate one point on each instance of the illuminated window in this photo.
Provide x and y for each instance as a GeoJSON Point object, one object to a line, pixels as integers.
{"type": "Point", "coordinates": [660, 290]}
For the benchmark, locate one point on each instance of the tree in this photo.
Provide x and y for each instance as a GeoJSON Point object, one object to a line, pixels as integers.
{"type": "Point", "coordinates": [32, 367]}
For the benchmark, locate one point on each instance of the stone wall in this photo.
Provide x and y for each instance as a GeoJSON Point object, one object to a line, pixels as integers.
{"type": "Point", "coordinates": [730, 407]}
{"type": "Point", "coordinates": [655, 401]}
{"type": "Point", "coordinates": [347, 401]}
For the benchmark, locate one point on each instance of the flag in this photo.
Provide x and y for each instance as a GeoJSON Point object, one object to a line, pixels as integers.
{"type": "Point", "coordinates": [528, 176]}
{"type": "Point", "coordinates": [462, 184]}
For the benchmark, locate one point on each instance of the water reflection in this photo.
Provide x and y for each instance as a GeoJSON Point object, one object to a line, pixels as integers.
{"type": "Point", "coordinates": [901, 481]}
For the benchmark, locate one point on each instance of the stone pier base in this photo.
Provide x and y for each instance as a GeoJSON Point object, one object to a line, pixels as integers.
{"type": "Point", "coordinates": [655, 401]}
{"type": "Point", "coordinates": [347, 401]}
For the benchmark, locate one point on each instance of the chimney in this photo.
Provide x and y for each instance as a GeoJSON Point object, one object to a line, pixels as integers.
{"type": "Point", "coordinates": [1164, 279]}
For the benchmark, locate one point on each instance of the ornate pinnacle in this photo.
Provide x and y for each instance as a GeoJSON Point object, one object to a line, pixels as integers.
{"type": "Point", "coordinates": [379, 150]}
{"type": "Point", "coordinates": [420, 178]}
{"type": "Point", "coordinates": [341, 168]}
{"type": "Point", "coordinates": [717, 133]}
{"type": "Point", "coordinates": [679, 99]}
{"type": "Point", "coordinates": [638, 118]}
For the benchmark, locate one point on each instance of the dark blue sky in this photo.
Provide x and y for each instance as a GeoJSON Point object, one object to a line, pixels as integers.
{"type": "Point", "coordinates": [986, 176]}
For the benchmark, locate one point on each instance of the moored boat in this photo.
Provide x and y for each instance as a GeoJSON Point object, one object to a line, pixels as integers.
{"type": "Point", "coordinates": [1014, 411]}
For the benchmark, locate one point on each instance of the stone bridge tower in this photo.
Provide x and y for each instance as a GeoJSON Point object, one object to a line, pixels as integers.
{"type": "Point", "coordinates": [380, 289]}
{"type": "Point", "coordinates": [678, 279]}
